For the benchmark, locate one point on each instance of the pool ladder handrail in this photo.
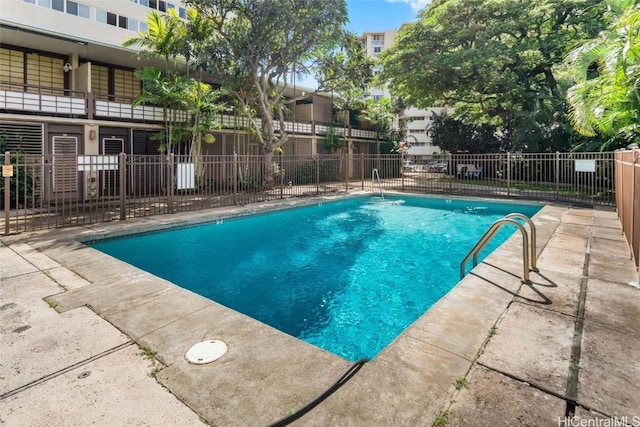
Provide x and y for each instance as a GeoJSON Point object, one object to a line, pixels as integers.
{"type": "Point", "coordinates": [529, 262]}
{"type": "Point", "coordinates": [375, 174]}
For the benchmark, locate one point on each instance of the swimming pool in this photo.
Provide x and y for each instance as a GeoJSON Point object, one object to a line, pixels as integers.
{"type": "Point", "coordinates": [348, 276]}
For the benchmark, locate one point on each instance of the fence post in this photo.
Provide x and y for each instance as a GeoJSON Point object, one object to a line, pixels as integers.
{"type": "Point", "coordinates": [235, 178]}
{"type": "Point", "coordinates": [317, 174]}
{"type": "Point", "coordinates": [508, 174]}
{"type": "Point", "coordinates": [453, 173]}
{"type": "Point", "coordinates": [402, 170]}
{"type": "Point", "coordinates": [171, 183]}
{"type": "Point", "coordinates": [557, 175]}
{"type": "Point", "coordinates": [7, 200]}
{"type": "Point", "coordinates": [281, 177]}
{"type": "Point", "coordinates": [122, 169]}
{"type": "Point", "coordinates": [362, 169]}
{"type": "Point", "coordinates": [346, 159]}
{"type": "Point", "coordinates": [635, 202]}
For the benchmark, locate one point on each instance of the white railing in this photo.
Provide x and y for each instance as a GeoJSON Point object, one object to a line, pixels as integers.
{"type": "Point", "coordinates": [118, 108]}
{"type": "Point", "coordinates": [25, 101]}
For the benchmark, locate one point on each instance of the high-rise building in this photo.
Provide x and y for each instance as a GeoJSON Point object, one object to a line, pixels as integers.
{"type": "Point", "coordinates": [374, 43]}
{"type": "Point", "coordinates": [416, 121]}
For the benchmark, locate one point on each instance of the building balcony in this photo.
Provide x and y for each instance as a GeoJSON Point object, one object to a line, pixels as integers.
{"type": "Point", "coordinates": [55, 102]}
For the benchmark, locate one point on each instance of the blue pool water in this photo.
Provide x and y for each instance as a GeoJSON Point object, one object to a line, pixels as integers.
{"type": "Point", "coordinates": [347, 276]}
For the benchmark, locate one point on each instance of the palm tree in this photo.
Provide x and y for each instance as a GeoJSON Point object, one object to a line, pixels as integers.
{"type": "Point", "coordinates": [165, 37]}
{"type": "Point", "coordinates": [173, 38]}
{"type": "Point", "coordinates": [168, 92]}
{"type": "Point", "coordinates": [606, 97]}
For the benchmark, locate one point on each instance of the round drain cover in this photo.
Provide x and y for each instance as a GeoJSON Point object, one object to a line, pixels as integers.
{"type": "Point", "coordinates": [206, 351]}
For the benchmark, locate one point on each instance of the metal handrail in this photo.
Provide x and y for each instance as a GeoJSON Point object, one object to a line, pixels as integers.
{"type": "Point", "coordinates": [533, 252]}
{"type": "Point", "coordinates": [488, 235]}
{"type": "Point", "coordinates": [374, 174]}
{"type": "Point", "coordinates": [532, 234]}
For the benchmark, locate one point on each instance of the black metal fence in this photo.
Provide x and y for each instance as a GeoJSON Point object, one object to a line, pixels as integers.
{"type": "Point", "coordinates": [49, 191]}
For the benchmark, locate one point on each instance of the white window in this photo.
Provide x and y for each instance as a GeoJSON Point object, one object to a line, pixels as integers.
{"type": "Point", "coordinates": [377, 39]}
{"type": "Point", "coordinates": [101, 16]}
{"type": "Point", "coordinates": [133, 25]}
{"type": "Point", "coordinates": [84, 11]}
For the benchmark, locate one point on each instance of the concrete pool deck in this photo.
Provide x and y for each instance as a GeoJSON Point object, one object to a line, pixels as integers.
{"type": "Point", "coordinates": [87, 339]}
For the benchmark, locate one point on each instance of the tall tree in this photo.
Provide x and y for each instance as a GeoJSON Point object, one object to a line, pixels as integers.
{"type": "Point", "coordinates": [494, 61]}
{"type": "Point", "coordinates": [176, 41]}
{"type": "Point", "coordinates": [381, 116]}
{"type": "Point", "coordinates": [456, 136]}
{"type": "Point", "coordinates": [258, 46]}
{"type": "Point", "coordinates": [605, 101]}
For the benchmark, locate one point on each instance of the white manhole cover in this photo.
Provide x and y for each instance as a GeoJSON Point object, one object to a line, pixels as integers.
{"type": "Point", "coordinates": [206, 351]}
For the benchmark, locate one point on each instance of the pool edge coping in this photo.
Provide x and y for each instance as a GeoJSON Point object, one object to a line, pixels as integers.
{"type": "Point", "coordinates": [411, 332]}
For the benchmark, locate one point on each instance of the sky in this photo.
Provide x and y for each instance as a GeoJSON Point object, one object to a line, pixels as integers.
{"type": "Point", "coordinates": [380, 15]}
{"type": "Point", "coordinates": [376, 15]}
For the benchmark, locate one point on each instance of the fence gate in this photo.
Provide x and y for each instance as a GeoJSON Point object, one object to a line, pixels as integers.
{"type": "Point", "coordinates": [111, 148]}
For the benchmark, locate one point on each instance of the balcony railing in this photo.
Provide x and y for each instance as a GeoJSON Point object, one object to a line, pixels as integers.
{"type": "Point", "coordinates": [29, 98]}
{"type": "Point", "coordinates": [62, 102]}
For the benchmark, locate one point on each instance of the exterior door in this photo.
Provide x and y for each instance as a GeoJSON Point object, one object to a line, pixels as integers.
{"type": "Point", "coordinates": [64, 173]}
{"type": "Point", "coordinates": [111, 148]}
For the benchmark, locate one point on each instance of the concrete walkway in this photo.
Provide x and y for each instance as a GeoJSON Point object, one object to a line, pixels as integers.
{"type": "Point", "coordinates": [88, 340]}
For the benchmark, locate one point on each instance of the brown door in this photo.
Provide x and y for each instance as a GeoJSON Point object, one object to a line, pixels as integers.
{"type": "Point", "coordinates": [64, 170]}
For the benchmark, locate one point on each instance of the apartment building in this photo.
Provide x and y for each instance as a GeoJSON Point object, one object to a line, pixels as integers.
{"type": "Point", "coordinates": [374, 43]}
{"type": "Point", "coordinates": [67, 86]}
{"type": "Point", "coordinates": [417, 121]}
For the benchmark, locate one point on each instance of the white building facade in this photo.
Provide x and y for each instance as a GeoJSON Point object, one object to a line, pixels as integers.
{"type": "Point", "coordinates": [374, 43]}
{"type": "Point", "coordinates": [418, 121]}
{"type": "Point", "coordinates": [419, 125]}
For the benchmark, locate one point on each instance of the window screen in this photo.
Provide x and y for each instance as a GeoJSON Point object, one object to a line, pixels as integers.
{"type": "Point", "coordinates": [125, 84]}
{"type": "Point", "coordinates": [12, 68]}
{"type": "Point", "coordinates": [46, 72]}
{"type": "Point", "coordinates": [99, 79]}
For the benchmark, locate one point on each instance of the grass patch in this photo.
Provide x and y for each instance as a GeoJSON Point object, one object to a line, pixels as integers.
{"type": "Point", "coordinates": [150, 355]}
{"type": "Point", "coordinates": [154, 372]}
{"type": "Point", "coordinates": [549, 188]}
{"type": "Point", "coordinates": [147, 353]}
{"type": "Point", "coordinates": [461, 383]}
{"type": "Point", "coordinates": [441, 419]}
{"type": "Point", "coordinates": [493, 331]}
